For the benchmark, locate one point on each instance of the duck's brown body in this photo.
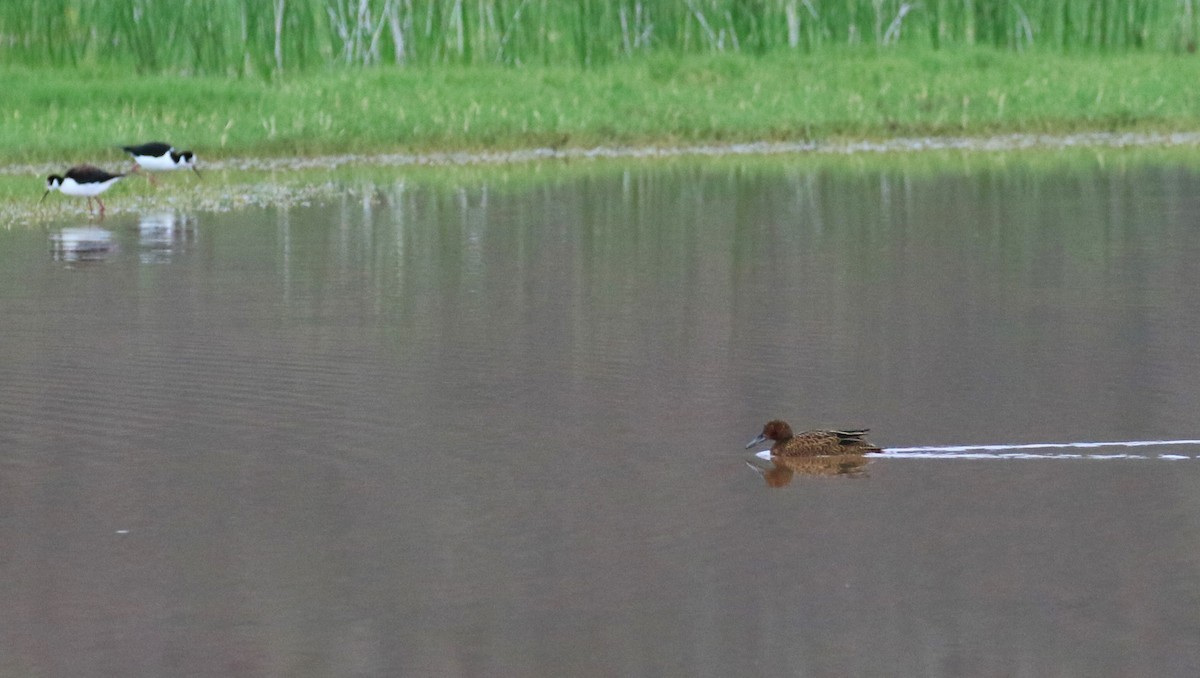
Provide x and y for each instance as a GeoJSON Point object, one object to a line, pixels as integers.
{"type": "Point", "coordinates": [813, 443]}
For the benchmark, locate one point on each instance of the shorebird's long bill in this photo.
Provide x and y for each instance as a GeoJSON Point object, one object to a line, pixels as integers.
{"type": "Point", "coordinates": [757, 439]}
{"type": "Point", "coordinates": [44, 196]}
{"type": "Point", "coordinates": [196, 171]}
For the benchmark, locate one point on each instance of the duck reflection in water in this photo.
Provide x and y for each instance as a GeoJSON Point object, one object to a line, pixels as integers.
{"type": "Point", "coordinates": [783, 469]}
{"type": "Point", "coordinates": [814, 453]}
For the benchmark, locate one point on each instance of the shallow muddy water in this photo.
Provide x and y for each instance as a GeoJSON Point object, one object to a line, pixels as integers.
{"type": "Point", "coordinates": [500, 433]}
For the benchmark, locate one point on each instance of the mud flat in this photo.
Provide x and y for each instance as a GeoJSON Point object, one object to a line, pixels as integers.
{"type": "Point", "coordinates": [238, 183]}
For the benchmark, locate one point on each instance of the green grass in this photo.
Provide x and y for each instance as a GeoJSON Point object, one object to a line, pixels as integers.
{"type": "Point", "coordinates": [258, 37]}
{"type": "Point", "coordinates": [60, 116]}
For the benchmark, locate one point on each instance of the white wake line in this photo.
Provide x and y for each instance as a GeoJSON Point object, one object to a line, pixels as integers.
{"type": "Point", "coordinates": [1005, 451]}
{"type": "Point", "coordinates": [1008, 451]}
{"type": "Point", "coordinates": [1023, 455]}
{"type": "Point", "coordinates": [1039, 446]}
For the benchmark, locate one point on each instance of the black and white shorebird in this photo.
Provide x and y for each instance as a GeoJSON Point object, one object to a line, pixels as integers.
{"type": "Point", "coordinates": [82, 181]}
{"type": "Point", "coordinates": [157, 156]}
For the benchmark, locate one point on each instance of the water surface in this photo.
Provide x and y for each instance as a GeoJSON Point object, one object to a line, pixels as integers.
{"type": "Point", "coordinates": [499, 432]}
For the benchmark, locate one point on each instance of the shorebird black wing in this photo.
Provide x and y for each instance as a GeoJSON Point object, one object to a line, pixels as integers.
{"type": "Point", "coordinates": [154, 149]}
{"type": "Point", "coordinates": [86, 174]}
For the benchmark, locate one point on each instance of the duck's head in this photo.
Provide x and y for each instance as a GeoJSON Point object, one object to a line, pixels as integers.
{"type": "Point", "coordinates": [775, 429]}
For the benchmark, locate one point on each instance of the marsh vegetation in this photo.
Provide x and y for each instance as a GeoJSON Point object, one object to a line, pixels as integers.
{"type": "Point", "coordinates": [258, 37]}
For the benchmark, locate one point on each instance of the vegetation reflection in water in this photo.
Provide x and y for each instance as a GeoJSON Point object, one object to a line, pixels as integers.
{"type": "Point", "coordinates": [819, 189]}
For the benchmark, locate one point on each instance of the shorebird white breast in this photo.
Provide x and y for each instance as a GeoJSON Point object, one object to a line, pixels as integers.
{"type": "Point", "coordinates": [159, 156]}
{"type": "Point", "coordinates": [86, 189]}
{"type": "Point", "coordinates": [162, 162]}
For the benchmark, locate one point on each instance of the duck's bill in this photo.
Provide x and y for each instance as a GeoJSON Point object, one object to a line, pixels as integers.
{"type": "Point", "coordinates": [757, 439]}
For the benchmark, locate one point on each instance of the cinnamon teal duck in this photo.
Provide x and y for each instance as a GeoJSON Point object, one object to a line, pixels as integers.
{"type": "Point", "coordinates": [812, 443]}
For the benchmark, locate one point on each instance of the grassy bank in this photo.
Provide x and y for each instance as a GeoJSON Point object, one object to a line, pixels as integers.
{"type": "Point", "coordinates": [55, 115]}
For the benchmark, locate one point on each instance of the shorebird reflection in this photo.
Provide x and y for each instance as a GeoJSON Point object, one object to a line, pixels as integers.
{"type": "Point", "coordinates": [163, 234]}
{"type": "Point", "coordinates": [81, 244]}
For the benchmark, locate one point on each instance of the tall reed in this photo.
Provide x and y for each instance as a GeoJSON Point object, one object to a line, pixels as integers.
{"type": "Point", "coordinates": [241, 37]}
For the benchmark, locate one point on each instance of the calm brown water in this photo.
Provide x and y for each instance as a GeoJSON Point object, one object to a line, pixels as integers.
{"type": "Point", "coordinates": [499, 433]}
